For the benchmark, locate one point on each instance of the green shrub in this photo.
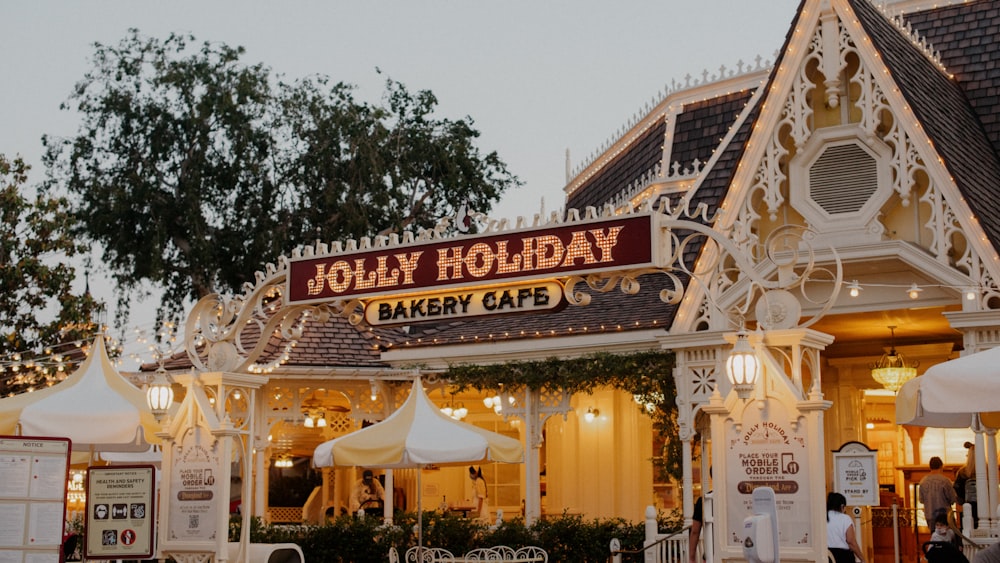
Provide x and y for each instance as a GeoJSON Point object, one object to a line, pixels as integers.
{"type": "Point", "coordinates": [348, 539]}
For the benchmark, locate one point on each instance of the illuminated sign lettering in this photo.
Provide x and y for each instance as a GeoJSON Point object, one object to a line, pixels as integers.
{"type": "Point", "coordinates": [541, 296]}
{"type": "Point", "coordinates": [574, 249]}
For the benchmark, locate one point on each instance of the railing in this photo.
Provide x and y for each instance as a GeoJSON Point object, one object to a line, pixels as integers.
{"type": "Point", "coordinates": [907, 540]}
{"type": "Point", "coordinates": [896, 532]}
{"type": "Point", "coordinates": [671, 547]}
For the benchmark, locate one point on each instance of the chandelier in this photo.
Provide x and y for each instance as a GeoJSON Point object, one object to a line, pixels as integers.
{"type": "Point", "coordinates": [457, 413]}
{"type": "Point", "coordinates": [891, 370]}
{"type": "Point", "coordinates": [314, 419]}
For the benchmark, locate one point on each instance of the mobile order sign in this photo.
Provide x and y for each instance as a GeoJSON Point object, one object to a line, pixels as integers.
{"type": "Point", "coordinates": [120, 512]}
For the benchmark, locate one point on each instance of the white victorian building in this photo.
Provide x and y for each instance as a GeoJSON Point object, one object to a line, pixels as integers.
{"type": "Point", "coordinates": [841, 204]}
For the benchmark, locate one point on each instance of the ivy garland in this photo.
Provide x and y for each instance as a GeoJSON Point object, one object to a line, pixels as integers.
{"type": "Point", "coordinates": [648, 376]}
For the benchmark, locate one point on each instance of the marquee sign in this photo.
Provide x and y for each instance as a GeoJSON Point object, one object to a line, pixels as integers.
{"type": "Point", "coordinates": [462, 304]}
{"type": "Point", "coordinates": [579, 248]}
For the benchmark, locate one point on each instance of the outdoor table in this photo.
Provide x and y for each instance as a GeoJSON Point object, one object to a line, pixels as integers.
{"type": "Point", "coordinates": [464, 510]}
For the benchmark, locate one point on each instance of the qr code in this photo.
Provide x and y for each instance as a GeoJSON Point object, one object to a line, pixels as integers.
{"type": "Point", "coordinates": [193, 521]}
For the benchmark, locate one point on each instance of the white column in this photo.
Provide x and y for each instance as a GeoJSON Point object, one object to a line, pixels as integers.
{"type": "Point", "coordinates": [164, 492]}
{"type": "Point", "coordinates": [982, 477]}
{"type": "Point", "coordinates": [992, 498]}
{"type": "Point", "coordinates": [532, 489]}
{"type": "Point", "coordinates": [387, 504]}
{"type": "Point", "coordinates": [687, 495]}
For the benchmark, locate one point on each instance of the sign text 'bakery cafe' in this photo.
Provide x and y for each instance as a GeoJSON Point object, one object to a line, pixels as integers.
{"type": "Point", "coordinates": [567, 249]}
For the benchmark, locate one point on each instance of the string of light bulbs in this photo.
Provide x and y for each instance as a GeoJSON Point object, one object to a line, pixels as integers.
{"type": "Point", "coordinates": [913, 290]}
{"type": "Point", "coordinates": [48, 364]}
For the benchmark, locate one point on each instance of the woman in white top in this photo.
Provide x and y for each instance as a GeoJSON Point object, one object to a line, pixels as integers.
{"type": "Point", "coordinates": [840, 537]}
{"type": "Point", "coordinates": [479, 487]}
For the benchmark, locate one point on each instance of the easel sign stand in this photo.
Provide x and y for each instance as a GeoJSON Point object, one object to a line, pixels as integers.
{"type": "Point", "coordinates": [855, 475]}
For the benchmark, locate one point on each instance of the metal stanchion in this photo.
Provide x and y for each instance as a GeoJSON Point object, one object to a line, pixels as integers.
{"type": "Point", "coordinates": [895, 532]}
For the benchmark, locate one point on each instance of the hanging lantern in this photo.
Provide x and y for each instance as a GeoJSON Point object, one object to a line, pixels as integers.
{"type": "Point", "coordinates": [742, 366]}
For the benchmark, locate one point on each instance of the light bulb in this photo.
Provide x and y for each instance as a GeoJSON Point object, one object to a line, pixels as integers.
{"type": "Point", "coordinates": [914, 291]}
{"type": "Point", "coordinates": [854, 288]}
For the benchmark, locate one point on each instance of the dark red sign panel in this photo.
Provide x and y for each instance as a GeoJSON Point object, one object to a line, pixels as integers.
{"type": "Point", "coordinates": [573, 249]}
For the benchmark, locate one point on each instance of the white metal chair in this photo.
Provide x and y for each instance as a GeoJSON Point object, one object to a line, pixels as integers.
{"type": "Point", "coordinates": [504, 552]}
{"type": "Point", "coordinates": [393, 555]}
{"type": "Point", "coordinates": [532, 552]}
{"type": "Point", "coordinates": [482, 554]}
{"type": "Point", "coordinates": [428, 555]}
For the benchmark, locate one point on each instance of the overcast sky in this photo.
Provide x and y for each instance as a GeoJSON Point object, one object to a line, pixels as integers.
{"type": "Point", "coordinates": [538, 77]}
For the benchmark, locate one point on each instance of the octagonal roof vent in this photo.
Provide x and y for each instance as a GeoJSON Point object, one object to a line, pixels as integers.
{"type": "Point", "coordinates": [839, 181]}
{"type": "Point", "coordinates": [843, 179]}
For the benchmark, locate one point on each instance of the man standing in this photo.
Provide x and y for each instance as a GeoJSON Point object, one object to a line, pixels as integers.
{"type": "Point", "coordinates": [367, 493]}
{"type": "Point", "coordinates": [936, 492]}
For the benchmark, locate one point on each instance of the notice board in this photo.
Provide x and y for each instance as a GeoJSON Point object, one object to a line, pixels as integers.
{"type": "Point", "coordinates": [120, 512]}
{"type": "Point", "coordinates": [33, 476]}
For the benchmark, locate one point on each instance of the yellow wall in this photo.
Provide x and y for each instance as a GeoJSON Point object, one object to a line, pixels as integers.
{"type": "Point", "coordinates": [612, 455]}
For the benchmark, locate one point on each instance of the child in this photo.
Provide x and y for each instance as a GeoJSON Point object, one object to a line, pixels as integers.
{"type": "Point", "coordinates": [942, 532]}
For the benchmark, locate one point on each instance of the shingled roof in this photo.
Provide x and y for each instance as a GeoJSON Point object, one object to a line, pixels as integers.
{"type": "Point", "coordinates": [965, 36]}
{"type": "Point", "coordinates": [331, 344]}
{"type": "Point", "coordinates": [943, 105]}
{"type": "Point", "coordinates": [698, 129]}
{"type": "Point", "coordinates": [630, 165]}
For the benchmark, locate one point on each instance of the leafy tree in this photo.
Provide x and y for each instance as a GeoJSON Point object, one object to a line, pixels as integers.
{"type": "Point", "coordinates": [359, 170]}
{"type": "Point", "coordinates": [193, 169]}
{"type": "Point", "coordinates": [36, 282]}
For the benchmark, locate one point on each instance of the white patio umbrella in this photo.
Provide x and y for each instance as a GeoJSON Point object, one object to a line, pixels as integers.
{"type": "Point", "coordinates": [416, 435]}
{"type": "Point", "coordinates": [95, 407]}
{"type": "Point", "coordinates": [968, 384]}
{"type": "Point", "coordinates": [959, 393]}
{"type": "Point", "coordinates": [912, 411]}
{"type": "Point", "coordinates": [948, 394]}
